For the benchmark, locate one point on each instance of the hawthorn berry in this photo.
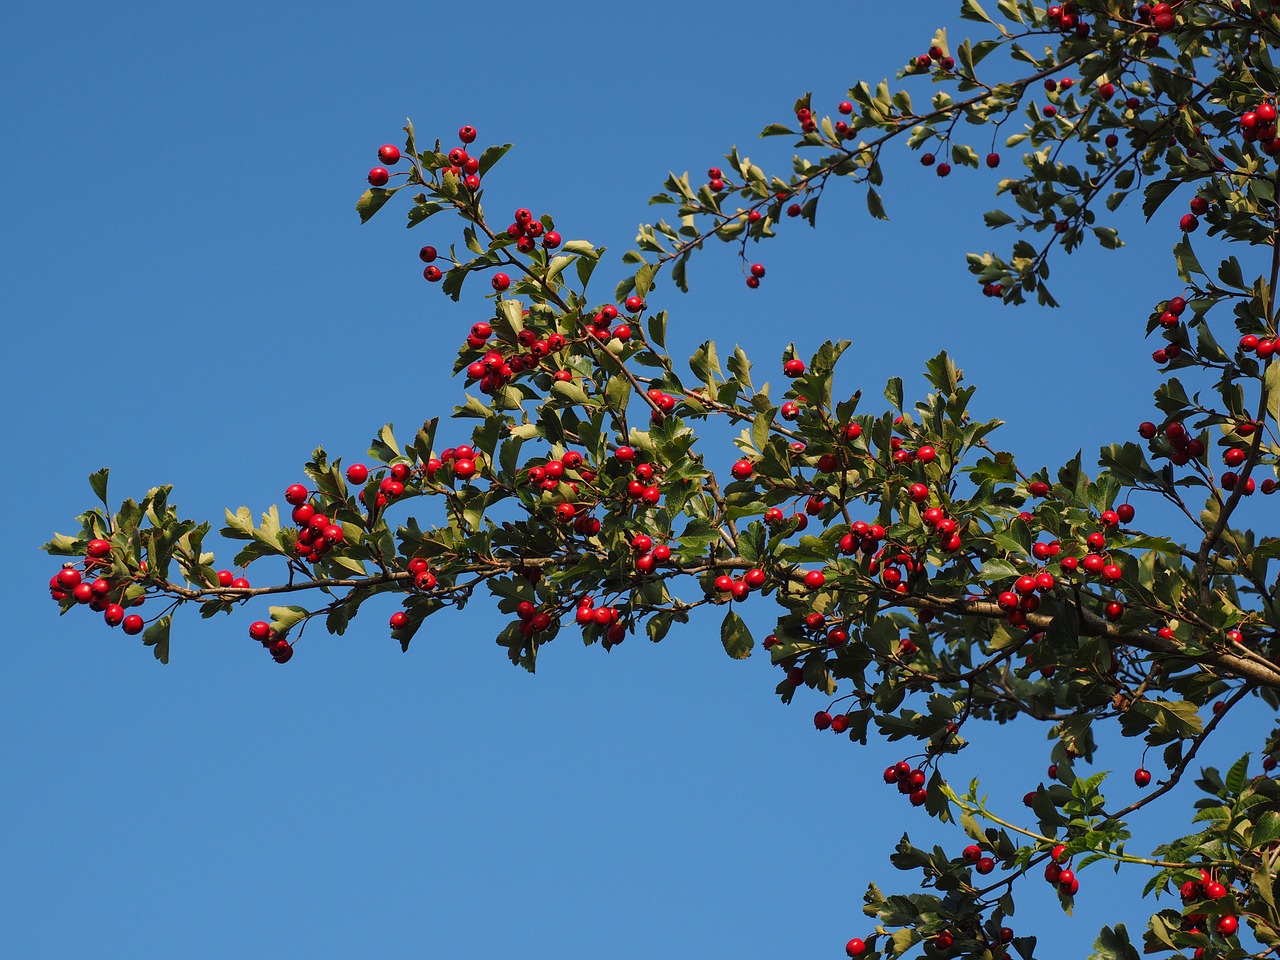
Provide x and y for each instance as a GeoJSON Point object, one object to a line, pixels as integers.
{"type": "Point", "coordinates": [389, 154]}
{"type": "Point", "coordinates": [379, 176]}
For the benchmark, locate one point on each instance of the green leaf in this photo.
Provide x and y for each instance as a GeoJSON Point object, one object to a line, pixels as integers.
{"type": "Point", "coordinates": [383, 447]}
{"type": "Point", "coordinates": [284, 618]}
{"type": "Point", "coordinates": [157, 637]}
{"type": "Point", "coordinates": [1186, 260]}
{"type": "Point", "coordinates": [372, 200]}
{"type": "Point", "coordinates": [736, 637]}
{"type": "Point", "coordinates": [491, 156]}
{"type": "Point", "coordinates": [893, 393]}
{"type": "Point", "coordinates": [1114, 945]}
{"type": "Point", "coordinates": [969, 10]}
{"type": "Point", "coordinates": [1155, 194]}
{"type": "Point", "coordinates": [98, 481]}
{"type": "Point", "coordinates": [616, 393]}
{"type": "Point", "coordinates": [874, 205]}
{"type": "Point", "coordinates": [1266, 830]}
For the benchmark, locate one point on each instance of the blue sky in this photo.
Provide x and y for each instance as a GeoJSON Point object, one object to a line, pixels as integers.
{"type": "Point", "coordinates": [190, 299]}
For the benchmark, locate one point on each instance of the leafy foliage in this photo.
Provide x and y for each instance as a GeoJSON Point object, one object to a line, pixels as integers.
{"type": "Point", "coordinates": [923, 580]}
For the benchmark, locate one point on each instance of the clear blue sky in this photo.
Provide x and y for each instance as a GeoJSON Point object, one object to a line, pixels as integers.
{"type": "Point", "coordinates": [190, 299]}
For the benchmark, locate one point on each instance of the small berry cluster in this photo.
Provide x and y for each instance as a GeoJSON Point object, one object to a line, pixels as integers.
{"type": "Point", "coordinates": [1067, 18]}
{"type": "Point", "coordinates": [1259, 125]}
{"type": "Point", "coordinates": [836, 723]}
{"type": "Point", "coordinates": [317, 532]}
{"type": "Point", "coordinates": [935, 60]}
{"type": "Point", "coordinates": [1160, 16]}
{"type": "Point", "coordinates": [495, 369]}
{"type": "Point", "coordinates": [909, 780]}
{"type": "Point", "coordinates": [280, 649]}
{"type": "Point", "coordinates": [1190, 221]}
{"type": "Point", "coordinates": [1181, 448]}
{"type": "Point", "coordinates": [605, 618]}
{"type": "Point", "coordinates": [527, 230]}
{"type": "Point", "coordinates": [981, 860]}
{"type": "Point", "coordinates": [101, 594]}
{"type": "Point", "coordinates": [1062, 877]}
{"type": "Point", "coordinates": [388, 154]}
{"type": "Point", "coordinates": [1207, 888]}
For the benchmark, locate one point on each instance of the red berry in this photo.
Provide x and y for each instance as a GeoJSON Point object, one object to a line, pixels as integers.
{"type": "Point", "coordinates": [793, 368]}
{"type": "Point", "coordinates": [467, 134]}
{"type": "Point", "coordinates": [389, 154]}
{"type": "Point", "coordinates": [379, 176]}
{"type": "Point", "coordinates": [742, 470]}
{"type": "Point", "coordinates": [132, 624]}
{"type": "Point", "coordinates": [1142, 777]}
{"type": "Point", "coordinates": [357, 473]}
{"type": "Point", "coordinates": [757, 270]}
{"type": "Point", "coordinates": [855, 947]}
{"type": "Point", "coordinates": [500, 282]}
{"type": "Point", "coordinates": [814, 579]}
{"type": "Point", "coordinates": [993, 160]}
{"type": "Point", "coordinates": [1188, 223]}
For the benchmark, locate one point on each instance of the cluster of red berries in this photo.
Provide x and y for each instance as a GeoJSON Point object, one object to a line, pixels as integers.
{"type": "Point", "coordinates": [607, 618]}
{"type": "Point", "coordinates": [1159, 15]}
{"type": "Point", "coordinates": [1023, 599]}
{"type": "Point", "coordinates": [527, 230]}
{"type": "Point", "coordinates": [461, 462]}
{"type": "Point", "coordinates": [838, 723]}
{"type": "Point", "coordinates": [1264, 347]}
{"type": "Point", "coordinates": [388, 154]}
{"type": "Point", "coordinates": [601, 324]}
{"type": "Point", "coordinates": [1062, 877]}
{"type": "Point", "coordinates": [1207, 888]}
{"type": "Point", "coordinates": [1198, 207]}
{"type": "Point", "coordinates": [739, 588]}
{"type": "Point", "coordinates": [1172, 312]}
{"type": "Point", "coordinates": [280, 649]}
{"type": "Point", "coordinates": [981, 860]}
{"type": "Point", "coordinates": [461, 164]}
{"type": "Point", "coordinates": [642, 488]}
{"type": "Point", "coordinates": [494, 369]}
{"type": "Point", "coordinates": [649, 554]}
{"type": "Point", "coordinates": [100, 594]}
{"type": "Point", "coordinates": [1259, 125]}
{"type": "Point", "coordinates": [944, 527]}
{"type": "Point", "coordinates": [909, 780]}
{"type": "Point", "coordinates": [1182, 447]}
{"type": "Point", "coordinates": [317, 533]}
{"type": "Point", "coordinates": [1067, 19]}
{"type": "Point", "coordinates": [935, 60]}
